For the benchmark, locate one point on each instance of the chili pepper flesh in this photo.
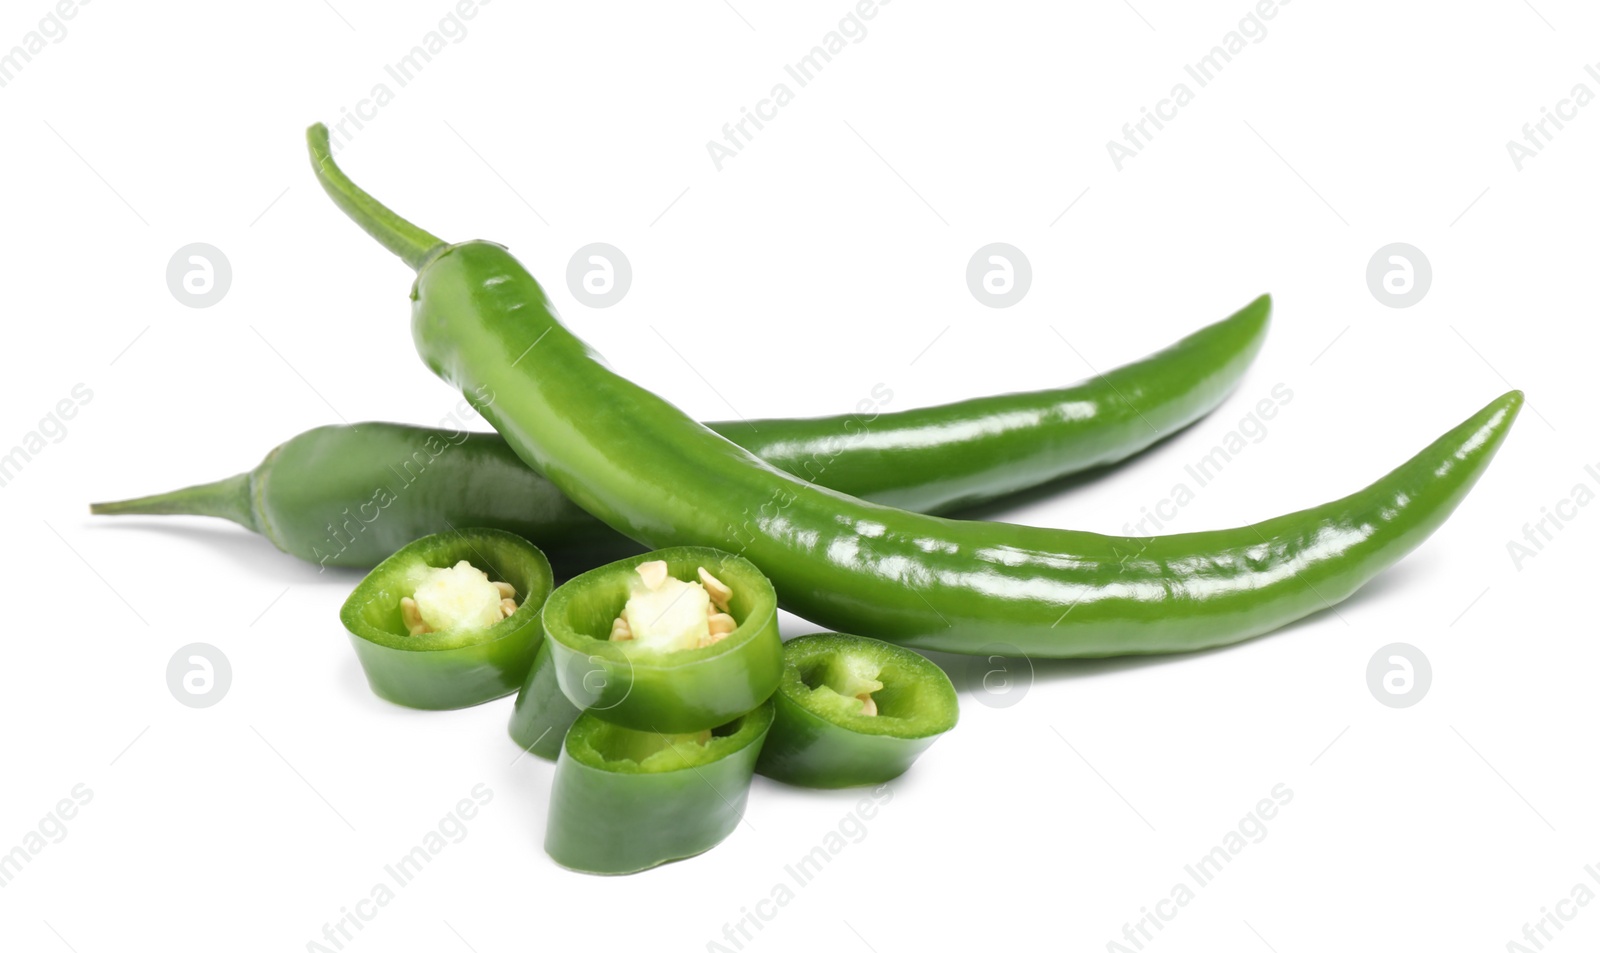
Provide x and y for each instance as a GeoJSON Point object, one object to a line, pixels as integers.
{"type": "Point", "coordinates": [625, 800]}
{"type": "Point", "coordinates": [433, 627]}
{"type": "Point", "coordinates": [853, 710]}
{"type": "Point", "coordinates": [681, 678]}
{"type": "Point", "coordinates": [543, 713]}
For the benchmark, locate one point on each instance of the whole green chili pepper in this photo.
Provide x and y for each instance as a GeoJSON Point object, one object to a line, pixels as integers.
{"type": "Point", "coordinates": [480, 321]}
{"type": "Point", "coordinates": [349, 495]}
{"type": "Point", "coordinates": [853, 711]}
{"type": "Point", "coordinates": [670, 685]}
{"type": "Point", "coordinates": [626, 800]}
{"type": "Point", "coordinates": [469, 640]}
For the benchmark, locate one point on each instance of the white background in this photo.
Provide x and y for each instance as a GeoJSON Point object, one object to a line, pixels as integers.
{"type": "Point", "coordinates": [828, 257]}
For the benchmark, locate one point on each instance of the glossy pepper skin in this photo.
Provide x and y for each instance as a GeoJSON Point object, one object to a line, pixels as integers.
{"type": "Point", "coordinates": [672, 692]}
{"type": "Point", "coordinates": [442, 670]}
{"type": "Point", "coordinates": [611, 814]}
{"type": "Point", "coordinates": [349, 495]}
{"type": "Point", "coordinates": [820, 740]}
{"type": "Point", "coordinates": [656, 475]}
{"type": "Point", "coordinates": [543, 713]}
{"type": "Point", "coordinates": [352, 495]}
{"type": "Point", "coordinates": [940, 459]}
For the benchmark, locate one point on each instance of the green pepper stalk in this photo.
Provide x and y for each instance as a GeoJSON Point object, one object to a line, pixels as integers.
{"type": "Point", "coordinates": [624, 800]}
{"type": "Point", "coordinates": [852, 710]}
{"type": "Point", "coordinates": [655, 657]}
{"type": "Point", "coordinates": [349, 495]}
{"type": "Point", "coordinates": [451, 620]}
{"type": "Point", "coordinates": [481, 322]}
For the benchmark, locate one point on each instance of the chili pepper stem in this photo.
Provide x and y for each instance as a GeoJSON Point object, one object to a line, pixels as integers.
{"type": "Point", "coordinates": [414, 246]}
{"type": "Point", "coordinates": [229, 499]}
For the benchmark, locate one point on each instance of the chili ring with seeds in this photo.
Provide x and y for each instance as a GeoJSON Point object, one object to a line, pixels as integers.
{"type": "Point", "coordinates": [451, 620]}
{"type": "Point", "coordinates": [645, 643]}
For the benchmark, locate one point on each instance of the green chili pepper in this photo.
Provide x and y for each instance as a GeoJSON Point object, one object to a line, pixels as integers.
{"type": "Point", "coordinates": [350, 495]}
{"type": "Point", "coordinates": [626, 800]}
{"type": "Point", "coordinates": [480, 321]}
{"type": "Point", "coordinates": [670, 686]}
{"type": "Point", "coordinates": [543, 713]}
{"type": "Point", "coordinates": [852, 711]}
{"type": "Point", "coordinates": [463, 644]}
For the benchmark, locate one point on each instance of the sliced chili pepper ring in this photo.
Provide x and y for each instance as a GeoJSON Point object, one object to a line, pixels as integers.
{"type": "Point", "coordinates": [687, 689]}
{"type": "Point", "coordinates": [625, 800]}
{"type": "Point", "coordinates": [543, 713]}
{"type": "Point", "coordinates": [457, 665]}
{"type": "Point", "coordinates": [826, 735]}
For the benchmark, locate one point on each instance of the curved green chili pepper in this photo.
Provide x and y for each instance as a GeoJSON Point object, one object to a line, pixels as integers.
{"type": "Point", "coordinates": [853, 711]}
{"type": "Point", "coordinates": [449, 668]}
{"type": "Point", "coordinates": [480, 321]}
{"type": "Point", "coordinates": [625, 800]}
{"type": "Point", "coordinates": [349, 495]}
{"type": "Point", "coordinates": [648, 689]}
